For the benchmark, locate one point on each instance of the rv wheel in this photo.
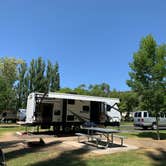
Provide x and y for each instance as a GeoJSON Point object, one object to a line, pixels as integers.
{"type": "Point", "coordinates": [76, 128]}
{"type": "Point", "coordinates": [56, 129]}
{"type": "Point", "coordinates": [67, 129]}
{"type": "Point", "coordinates": [154, 126]}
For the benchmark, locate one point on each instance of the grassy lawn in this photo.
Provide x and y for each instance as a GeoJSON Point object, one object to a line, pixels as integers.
{"type": "Point", "coordinates": [126, 123]}
{"type": "Point", "coordinates": [10, 128]}
{"type": "Point", "coordinates": [74, 158]}
{"type": "Point", "coordinates": [145, 134]}
{"type": "Point", "coordinates": [45, 157]}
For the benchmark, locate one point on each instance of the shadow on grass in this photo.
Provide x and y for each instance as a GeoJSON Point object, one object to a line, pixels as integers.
{"type": "Point", "coordinates": [29, 149]}
{"type": "Point", "coordinates": [152, 135]}
{"type": "Point", "coordinates": [68, 158]}
{"type": "Point", "coordinates": [10, 144]}
{"type": "Point", "coordinates": [158, 158]}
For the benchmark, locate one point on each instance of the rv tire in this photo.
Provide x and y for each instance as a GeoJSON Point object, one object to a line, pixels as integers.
{"type": "Point", "coordinates": [66, 129]}
{"type": "Point", "coordinates": [56, 129]}
{"type": "Point", "coordinates": [76, 128]}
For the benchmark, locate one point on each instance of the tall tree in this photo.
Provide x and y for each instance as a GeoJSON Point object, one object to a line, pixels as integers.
{"type": "Point", "coordinates": [148, 76]}
{"type": "Point", "coordinates": [55, 78]}
{"type": "Point", "coordinates": [49, 72]}
{"type": "Point", "coordinates": [8, 71]}
{"type": "Point", "coordinates": [43, 78]}
{"type": "Point", "coordinates": [40, 81]}
{"type": "Point", "coordinates": [31, 76]}
{"type": "Point", "coordinates": [22, 86]}
{"type": "Point", "coordinates": [128, 103]}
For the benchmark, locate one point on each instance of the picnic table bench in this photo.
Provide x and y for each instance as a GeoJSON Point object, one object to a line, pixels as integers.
{"type": "Point", "coordinates": [120, 137]}
{"type": "Point", "coordinates": [97, 133]}
{"type": "Point", "coordinates": [92, 137]}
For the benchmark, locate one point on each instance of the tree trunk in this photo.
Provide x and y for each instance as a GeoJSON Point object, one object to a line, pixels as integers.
{"type": "Point", "coordinates": [157, 124]}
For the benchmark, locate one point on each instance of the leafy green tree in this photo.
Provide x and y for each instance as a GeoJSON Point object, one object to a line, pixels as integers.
{"type": "Point", "coordinates": [148, 76]}
{"type": "Point", "coordinates": [99, 90]}
{"type": "Point", "coordinates": [43, 78]}
{"type": "Point", "coordinates": [82, 90]}
{"type": "Point", "coordinates": [49, 74]}
{"type": "Point", "coordinates": [66, 90]}
{"type": "Point", "coordinates": [8, 77]}
{"type": "Point", "coordinates": [22, 86]}
{"type": "Point", "coordinates": [31, 76]}
{"type": "Point", "coordinates": [128, 103]}
{"type": "Point", "coordinates": [55, 78]}
{"type": "Point", "coordinates": [40, 81]}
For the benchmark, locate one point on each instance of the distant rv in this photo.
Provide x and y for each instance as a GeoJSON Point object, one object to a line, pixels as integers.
{"type": "Point", "coordinates": [8, 116]}
{"type": "Point", "coordinates": [70, 111]}
{"type": "Point", "coordinates": [21, 114]}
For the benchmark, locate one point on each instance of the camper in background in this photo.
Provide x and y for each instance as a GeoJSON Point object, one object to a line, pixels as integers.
{"type": "Point", "coordinates": [21, 114]}
{"type": "Point", "coordinates": [8, 116]}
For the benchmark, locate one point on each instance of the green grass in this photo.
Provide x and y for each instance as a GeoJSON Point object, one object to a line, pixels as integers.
{"type": "Point", "coordinates": [132, 158]}
{"type": "Point", "coordinates": [10, 128]}
{"type": "Point", "coordinates": [145, 134]}
{"type": "Point", "coordinates": [74, 158]}
{"type": "Point", "coordinates": [126, 123]}
{"type": "Point", "coordinates": [51, 157]}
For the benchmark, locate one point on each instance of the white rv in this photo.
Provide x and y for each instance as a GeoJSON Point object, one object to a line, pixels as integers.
{"type": "Point", "coordinates": [69, 111]}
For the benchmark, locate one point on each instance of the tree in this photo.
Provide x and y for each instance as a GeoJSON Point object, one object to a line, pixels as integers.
{"type": "Point", "coordinates": [39, 80]}
{"type": "Point", "coordinates": [31, 76]}
{"type": "Point", "coordinates": [43, 78]}
{"type": "Point", "coordinates": [8, 77]}
{"type": "Point", "coordinates": [99, 90]}
{"type": "Point", "coordinates": [22, 86]}
{"type": "Point", "coordinates": [128, 103]}
{"type": "Point", "coordinates": [49, 75]}
{"type": "Point", "coordinates": [148, 76]}
{"type": "Point", "coordinates": [55, 78]}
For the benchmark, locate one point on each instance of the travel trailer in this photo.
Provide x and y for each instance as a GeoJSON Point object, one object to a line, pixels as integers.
{"type": "Point", "coordinates": [70, 111]}
{"type": "Point", "coordinates": [8, 116]}
{"type": "Point", "coordinates": [145, 120]}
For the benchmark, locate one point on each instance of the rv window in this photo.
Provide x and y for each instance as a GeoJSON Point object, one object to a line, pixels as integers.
{"type": "Point", "coordinates": [70, 117]}
{"type": "Point", "coordinates": [108, 107]}
{"type": "Point", "coordinates": [71, 101]}
{"type": "Point", "coordinates": [139, 114]}
{"type": "Point", "coordinates": [57, 112]}
{"type": "Point", "coordinates": [145, 114]}
{"type": "Point", "coordinates": [85, 108]}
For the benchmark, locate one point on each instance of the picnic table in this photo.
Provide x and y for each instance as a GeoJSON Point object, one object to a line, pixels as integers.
{"type": "Point", "coordinates": [102, 132]}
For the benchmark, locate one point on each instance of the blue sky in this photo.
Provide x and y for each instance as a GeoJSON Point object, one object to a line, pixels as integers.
{"type": "Point", "coordinates": [92, 40]}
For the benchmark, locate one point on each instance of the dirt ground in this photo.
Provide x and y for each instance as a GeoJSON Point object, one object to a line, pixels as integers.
{"type": "Point", "coordinates": [12, 142]}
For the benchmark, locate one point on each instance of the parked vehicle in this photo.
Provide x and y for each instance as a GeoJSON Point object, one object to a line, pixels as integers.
{"type": "Point", "coordinates": [70, 111]}
{"type": "Point", "coordinates": [145, 120]}
{"type": "Point", "coordinates": [8, 116]}
{"type": "Point", "coordinates": [21, 114]}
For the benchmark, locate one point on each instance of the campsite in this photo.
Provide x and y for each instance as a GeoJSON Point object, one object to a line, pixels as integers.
{"type": "Point", "coordinates": [65, 150]}
{"type": "Point", "coordinates": [82, 83]}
